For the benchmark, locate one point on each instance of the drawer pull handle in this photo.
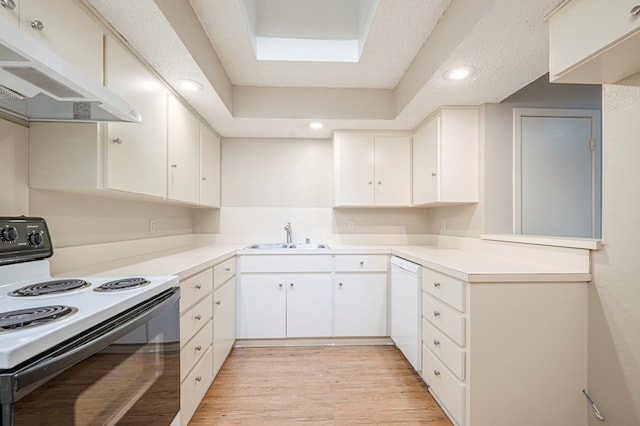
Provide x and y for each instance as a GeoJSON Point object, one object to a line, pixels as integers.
{"type": "Point", "coordinates": [340, 284]}
{"type": "Point", "coordinates": [280, 285]}
{"type": "Point", "coordinates": [198, 317]}
{"type": "Point", "coordinates": [362, 263]}
{"type": "Point", "coordinates": [198, 286]}
{"type": "Point", "coordinates": [436, 342]}
{"type": "Point", "coordinates": [291, 285]}
{"type": "Point", "coordinates": [198, 348]}
{"type": "Point", "coordinates": [635, 11]}
{"type": "Point", "coordinates": [433, 174]}
{"type": "Point", "coordinates": [436, 373]}
{"type": "Point", "coordinates": [37, 25]}
{"type": "Point", "coordinates": [436, 313]}
{"type": "Point", "coordinates": [436, 284]}
{"type": "Point", "coordinates": [117, 140]}
{"type": "Point", "coordinates": [227, 269]}
{"type": "Point", "coordinates": [218, 302]}
{"type": "Point", "coordinates": [8, 4]}
{"type": "Point", "coordinates": [199, 379]}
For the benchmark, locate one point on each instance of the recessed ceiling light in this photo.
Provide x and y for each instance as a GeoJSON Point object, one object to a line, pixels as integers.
{"type": "Point", "coordinates": [189, 85]}
{"type": "Point", "coordinates": [458, 73]}
{"type": "Point", "coordinates": [316, 125]}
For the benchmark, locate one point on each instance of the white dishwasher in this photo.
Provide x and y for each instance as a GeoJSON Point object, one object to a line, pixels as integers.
{"type": "Point", "coordinates": [406, 309]}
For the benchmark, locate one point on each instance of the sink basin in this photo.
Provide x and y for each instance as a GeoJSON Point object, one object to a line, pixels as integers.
{"type": "Point", "coordinates": [308, 246]}
{"type": "Point", "coordinates": [279, 246]}
{"type": "Point", "coordinates": [268, 246]}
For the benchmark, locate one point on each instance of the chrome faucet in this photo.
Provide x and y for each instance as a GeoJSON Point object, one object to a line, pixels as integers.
{"type": "Point", "coordinates": [287, 228]}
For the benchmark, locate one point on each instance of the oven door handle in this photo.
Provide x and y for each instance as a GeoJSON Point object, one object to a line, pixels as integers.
{"type": "Point", "coordinates": [90, 342]}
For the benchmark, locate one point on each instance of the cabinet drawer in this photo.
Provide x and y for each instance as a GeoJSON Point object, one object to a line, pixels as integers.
{"type": "Point", "coordinates": [195, 386]}
{"type": "Point", "coordinates": [444, 287]}
{"type": "Point", "coordinates": [195, 348]}
{"type": "Point", "coordinates": [195, 318]}
{"type": "Point", "coordinates": [449, 391]}
{"type": "Point", "coordinates": [309, 263]}
{"type": "Point", "coordinates": [362, 263]}
{"type": "Point", "coordinates": [446, 351]}
{"type": "Point", "coordinates": [223, 271]}
{"type": "Point", "coordinates": [263, 263]}
{"type": "Point", "coordinates": [194, 288]}
{"type": "Point", "coordinates": [445, 318]}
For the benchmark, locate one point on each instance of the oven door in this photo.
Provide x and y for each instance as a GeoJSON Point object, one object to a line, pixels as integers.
{"type": "Point", "coordinates": [125, 371]}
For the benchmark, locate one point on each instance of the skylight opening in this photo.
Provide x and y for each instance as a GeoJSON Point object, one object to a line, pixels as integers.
{"type": "Point", "coordinates": [289, 49]}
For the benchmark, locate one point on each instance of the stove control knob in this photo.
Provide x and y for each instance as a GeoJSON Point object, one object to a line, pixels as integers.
{"type": "Point", "coordinates": [35, 239]}
{"type": "Point", "coordinates": [9, 234]}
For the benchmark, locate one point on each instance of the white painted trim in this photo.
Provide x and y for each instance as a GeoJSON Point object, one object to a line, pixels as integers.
{"type": "Point", "coordinates": [580, 243]}
{"type": "Point", "coordinates": [596, 160]}
{"type": "Point", "coordinates": [320, 341]}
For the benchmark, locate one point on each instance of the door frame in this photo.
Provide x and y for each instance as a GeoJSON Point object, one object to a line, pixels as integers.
{"type": "Point", "coordinates": [596, 160]}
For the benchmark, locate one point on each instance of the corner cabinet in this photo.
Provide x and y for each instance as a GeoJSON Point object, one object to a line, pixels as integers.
{"type": "Point", "coordinates": [372, 170]}
{"type": "Point", "coordinates": [594, 41]}
{"type": "Point", "coordinates": [492, 351]}
{"type": "Point", "coordinates": [445, 158]}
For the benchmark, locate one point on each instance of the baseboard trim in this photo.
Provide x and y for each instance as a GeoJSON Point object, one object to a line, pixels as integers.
{"type": "Point", "coordinates": [326, 341]}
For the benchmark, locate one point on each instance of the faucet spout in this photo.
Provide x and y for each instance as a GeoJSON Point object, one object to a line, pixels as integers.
{"type": "Point", "coordinates": [287, 228]}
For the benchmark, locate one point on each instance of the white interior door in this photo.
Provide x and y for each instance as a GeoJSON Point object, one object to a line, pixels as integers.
{"type": "Point", "coordinates": [556, 173]}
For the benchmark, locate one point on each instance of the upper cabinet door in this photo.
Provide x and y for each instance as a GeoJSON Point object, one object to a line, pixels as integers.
{"type": "Point", "coordinates": [9, 13]}
{"type": "Point", "coordinates": [67, 28]}
{"type": "Point", "coordinates": [392, 171]}
{"type": "Point", "coordinates": [354, 170]}
{"type": "Point", "coordinates": [594, 41]}
{"type": "Point", "coordinates": [209, 167]}
{"type": "Point", "coordinates": [425, 162]}
{"type": "Point", "coordinates": [136, 152]}
{"type": "Point", "coordinates": [184, 153]}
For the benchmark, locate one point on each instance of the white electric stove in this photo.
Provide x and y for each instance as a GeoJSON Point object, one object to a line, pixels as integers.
{"type": "Point", "coordinates": [51, 327]}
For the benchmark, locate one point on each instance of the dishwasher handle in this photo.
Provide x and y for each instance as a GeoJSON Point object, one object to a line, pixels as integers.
{"type": "Point", "coordinates": [405, 265]}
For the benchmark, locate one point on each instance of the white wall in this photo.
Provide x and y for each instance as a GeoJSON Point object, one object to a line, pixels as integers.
{"type": "Point", "coordinates": [269, 182]}
{"type": "Point", "coordinates": [14, 174]}
{"type": "Point", "coordinates": [614, 299]}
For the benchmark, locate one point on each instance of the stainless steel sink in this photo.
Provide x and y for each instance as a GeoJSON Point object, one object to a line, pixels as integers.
{"type": "Point", "coordinates": [280, 246]}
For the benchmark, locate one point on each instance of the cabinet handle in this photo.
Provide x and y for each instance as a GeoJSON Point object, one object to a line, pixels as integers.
{"type": "Point", "coordinates": [362, 263]}
{"type": "Point", "coordinates": [8, 4]}
{"type": "Point", "coordinates": [635, 11]}
{"type": "Point", "coordinates": [340, 284]}
{"type": "Point", "coordinates": [198, 348]}
{"type": "Point", "coordinates": [204, 178]}
{"type": "Point", "coordinates": [433, 174]}
{"type": "Point", "coordinates": [227, 269]}
{"type": "Point", "coordinates": [199, 379]}
{"type": "Point", "coordinates": [198, 317]}
{"type": "Point", "coordinates": [117, 140]}
{"type": "Point", "coordinates": [37, 25]}
{"type": "Point", "coordinates": [198, 286]}
{"type": "Point", "coordinates": [436, 284]}
{"type": "Point", "coordinates": [218, 302]}
{"type": "Point", "coordinates": [280, 285]}
{"type": "Point", "coordinates": [370, 182]}
{"type": "Point", "coordinates": [291, 285]}
{"type": "Point", "coordinates": [436, 313]}
{"type": "Point", "coordinates": [174, 166]}
{"type": "Point", "coordinates": [436, 342]}
{"type": "Point", "coordinates": [436, 373]}
{"type": "Point", "coordinates": [379, 182]}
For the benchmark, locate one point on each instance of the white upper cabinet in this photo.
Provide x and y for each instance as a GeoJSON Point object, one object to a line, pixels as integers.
{"type": "Point", "coordinates": [209, 168]}
{"type": "Point", "coordinates": [594, 41]}
{"type": "Point", "coordinates": [136, 152]}
{"type": "Point", "coordinates": [67, 28]}
{"type": "Point", "coordinates": [184, 153]}
{"type": "Point", "coordinates": [9, 12]}
{"type": "Point", "coordinates": [372, 170]}
{"type": "Point", "coordinates": [445, 158]}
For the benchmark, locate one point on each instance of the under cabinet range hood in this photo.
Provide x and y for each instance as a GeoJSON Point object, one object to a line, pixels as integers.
{"type": "Point", "coordinates": [36, 84]}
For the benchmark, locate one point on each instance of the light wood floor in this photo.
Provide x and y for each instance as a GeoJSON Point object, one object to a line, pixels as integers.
{"type": "Point", "coordinates": [339, 385]}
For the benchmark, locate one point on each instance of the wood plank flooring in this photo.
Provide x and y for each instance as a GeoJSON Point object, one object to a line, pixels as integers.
{"type": "Point", "coordinates": [336, 385]}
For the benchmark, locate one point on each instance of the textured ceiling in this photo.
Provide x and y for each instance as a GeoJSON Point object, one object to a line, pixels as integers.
{"type": "Point", "coordinates": [410, 46]}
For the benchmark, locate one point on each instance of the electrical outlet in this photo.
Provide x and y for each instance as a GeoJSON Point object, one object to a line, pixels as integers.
{"type": "Point", "coordinates": [351, 225]}
{"type": "Point", "coordinates": [152, 226]}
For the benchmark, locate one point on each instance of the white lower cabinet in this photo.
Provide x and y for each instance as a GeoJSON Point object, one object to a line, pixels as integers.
{"type": "Point", "coordinates": [361, 305]}
{"type": "Point", "coordinates": [195, 386]}
{"type": "Point", "coordinates": [505, 353]}
{"type": "Point", "coordinates": [224, 322]}
{"type": "Point", "coordinates": [309, 305]}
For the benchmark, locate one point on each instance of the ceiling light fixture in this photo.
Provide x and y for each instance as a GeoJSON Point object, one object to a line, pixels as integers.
{"type": "Point", "coordinates": [189, 85]}
{"type": "Point", "coordinates": [458, 73]}
{"type": "Point", "coordinates": [316, 125]}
